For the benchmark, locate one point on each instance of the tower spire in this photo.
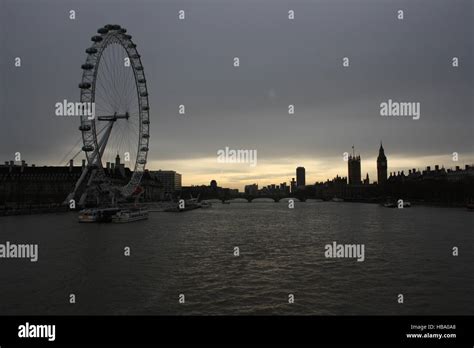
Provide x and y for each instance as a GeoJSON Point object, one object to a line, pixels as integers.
{"type": "Point", "coordinates": [381, 166]}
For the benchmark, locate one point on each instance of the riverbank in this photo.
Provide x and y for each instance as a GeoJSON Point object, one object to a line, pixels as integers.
{"type": "Point", "coordinates": [33, 209]}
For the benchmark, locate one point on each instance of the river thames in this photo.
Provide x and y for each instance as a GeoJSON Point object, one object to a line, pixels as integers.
{"type": "Point", "coordinates": [282, 252]}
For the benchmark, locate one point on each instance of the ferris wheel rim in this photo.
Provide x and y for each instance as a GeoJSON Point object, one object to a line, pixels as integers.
{"type": "Point", "coordinates": [106, 36]}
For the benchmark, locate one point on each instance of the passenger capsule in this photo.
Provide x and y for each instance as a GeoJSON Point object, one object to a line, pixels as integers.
{"type": "Point", "coordinates": [143, 94]}
{"type": "Point", "coordinates": [108, 26]}
{"type": "Point", "coordinates": [123, 30]}
{"type": "Point", "coordinates": [96, 38]}
{"type": "Point", "coordinates": [135, 56]}
{"type": "Point", "coordinates": [84, 85]}
{"type": "Point", "coordinates": [145, 108]}
{"type": "Point", "coordinates": [146, 136]}
{"type": "Point", "coordinates": [103, 31]}
{"type": "Point", "coordinates": [142, 161]}
{"type": "Point", "coordinates": [128, 37]}
{"type": "Point", "coordinates": [139, 67]}
{"type": "Point", "coordinates": [132, 45]}
{"type": "Point", "coordinates": [116, 27]}
{"type": "Point", "coordinates": [87, 66]}
{"type": "Point", "coordinates": [144, 148]}
{"type": "Point", "coordinates": [84, 127]}
{"type": "Point", "coordinates": [141, 80]}
{"type": "Point", "coordinates": [88, 148]}
{"type": "Point", "coordinates": [91, 50]}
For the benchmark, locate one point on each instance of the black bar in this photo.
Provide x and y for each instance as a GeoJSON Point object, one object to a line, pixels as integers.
{"type": "Point", "coordinates": [135, 330]}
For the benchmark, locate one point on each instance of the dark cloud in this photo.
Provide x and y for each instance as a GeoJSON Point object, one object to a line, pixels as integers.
{"type": "Point", "coordinates": [282, 62]}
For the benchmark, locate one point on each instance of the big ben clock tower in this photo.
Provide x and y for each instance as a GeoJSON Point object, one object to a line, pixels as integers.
{"type": "Point", "coordinates": [381, 166]}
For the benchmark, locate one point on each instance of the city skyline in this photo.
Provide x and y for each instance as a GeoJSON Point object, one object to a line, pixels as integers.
{"type": "Point", "coordinates": [288, 171]}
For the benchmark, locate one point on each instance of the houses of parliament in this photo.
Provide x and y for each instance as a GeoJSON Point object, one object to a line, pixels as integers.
{"type": "Point", "coordinates": [355, 173]}
{"type": "Point", "coordinates": [454, 186]}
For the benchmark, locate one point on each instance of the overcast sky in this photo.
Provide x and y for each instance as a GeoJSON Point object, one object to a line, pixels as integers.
{"type": "Point", "coordinates": [282, 62]}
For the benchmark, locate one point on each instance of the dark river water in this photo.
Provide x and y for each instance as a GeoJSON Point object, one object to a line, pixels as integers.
{"type": "Point", "coordinates": [407, 251]}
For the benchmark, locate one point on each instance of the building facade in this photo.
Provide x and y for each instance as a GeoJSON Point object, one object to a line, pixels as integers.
{"type": "Point", "coordinates": [251, 189]}
{"type": "Point", "coordinates": [24, 185]}
{"type": "Point", "coordinates": [300, 177]}
{"type": "Point", "coordinates": [354, 170]}
{"type": "Point", "coordinates": [292, 185]}
{"type": "Point", "coordinates": [170, 180]}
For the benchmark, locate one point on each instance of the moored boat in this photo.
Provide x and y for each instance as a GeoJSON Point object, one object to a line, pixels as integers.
{"type": "Point", "coordinates": [88, 215]}
{"type": "Point", "coordinates": [189, 204]}
{"type": "Point", "coordinates": [97, 214]}
{"type": "Point", "coordinates": [395, 205]}
{"type": "Point", "coordinates": [128, 215]}
{"type": "Point", "coordinates": [389, 205]}
{"type": "Point", "coordinates": [187, 207]}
